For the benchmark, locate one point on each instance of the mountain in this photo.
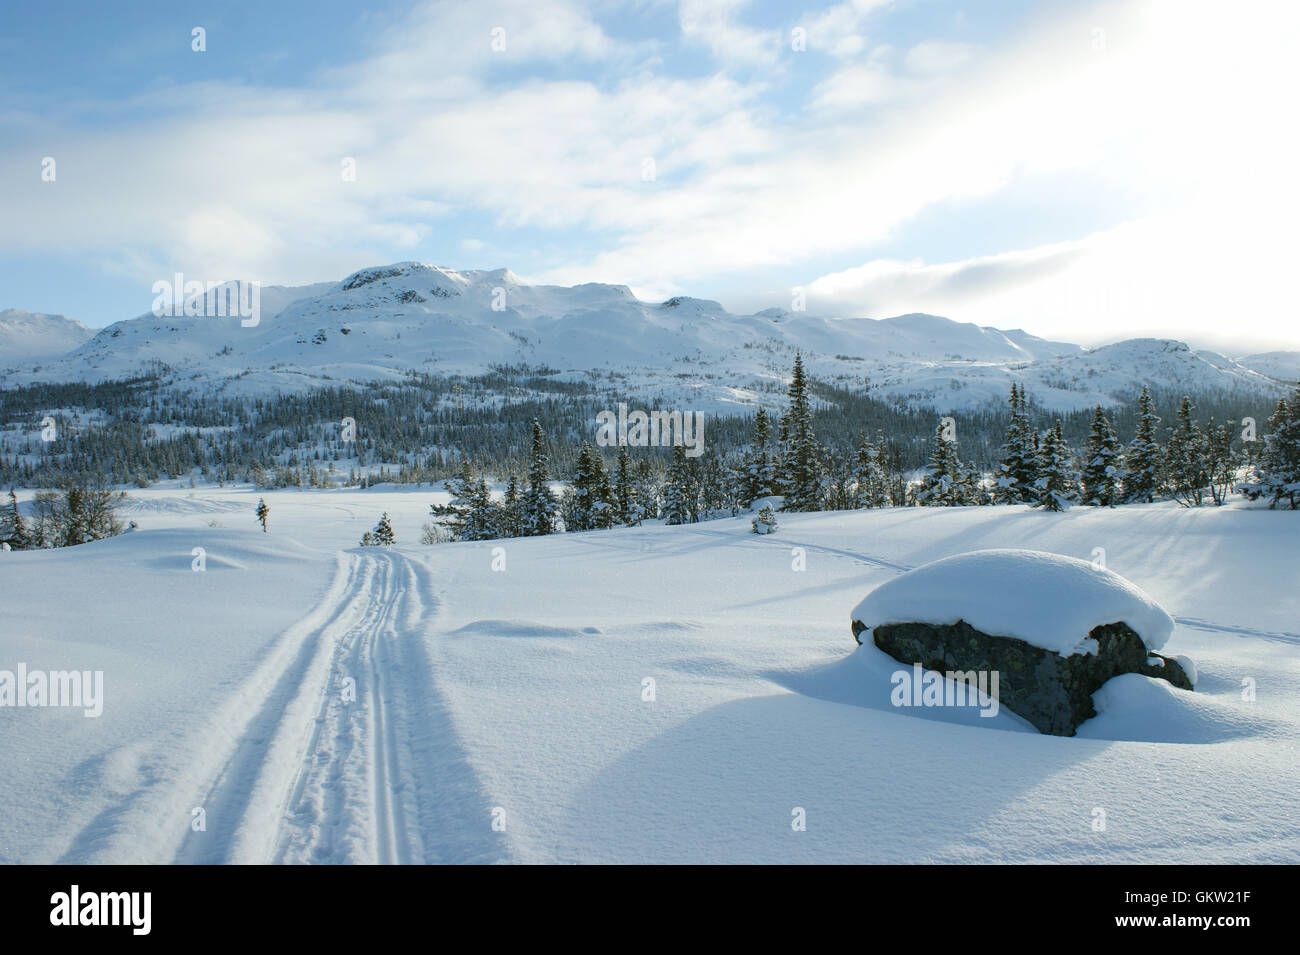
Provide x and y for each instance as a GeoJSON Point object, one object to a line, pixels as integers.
{"type": "Point", "coordinates": [1282, 365]}
{"type": "Point", "coordinates": [386, 322]}
{"type": "Point", "coordinates": [29, 338]}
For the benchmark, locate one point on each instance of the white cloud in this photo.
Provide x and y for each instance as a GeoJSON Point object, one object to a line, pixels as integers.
{"type": "Point", "coordinates": [716, 24]}
{"type": "Point", "coordinates": [228, 179]}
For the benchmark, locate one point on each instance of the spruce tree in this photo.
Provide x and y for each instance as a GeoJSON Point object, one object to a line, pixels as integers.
{"type": "Point", "coordinates": [511, 514]}
{"type": "Point", "coordinates": [1056, 485]}
{"type": "Point", "coordinates": [539, 503]}
{"type": "Point", "coordinates": [800, 473]}
{"type": "Point", "coordinates": [1016, 472]}
{"type": "Point", "coordinates": [262, 512]}
{"type": "Point", "coordinates": [1101, 467]}
{"type": "Point", "coordinates": [870, 489]}
{"type": "Point", "coordinates": [942, 484]}
{"type": "Point", "coordinates": [1276, 476]}
{"type": "Point", "coordinates": [1222, 461]}
{"type": "Point", "coordinates": [677, 503]}
{"type": "Point", "coordinates": [624, 495]}
{"type": "Point", "coordinates": [590, 506]}
{"type": "Point", "coordinates": [383, 535]}
{"type": "Point", "coordinates": [1143, 461]}
{"type": "Point", "coordinates": [13, 530]}
{"type": "Point", "coordinates": [1185, 450]}
{"type": "Point", "coordinates": [759, 463]}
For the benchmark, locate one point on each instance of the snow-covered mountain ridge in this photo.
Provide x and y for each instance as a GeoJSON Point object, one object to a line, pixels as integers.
{"type": "Point", "coordinates": [388, 321]}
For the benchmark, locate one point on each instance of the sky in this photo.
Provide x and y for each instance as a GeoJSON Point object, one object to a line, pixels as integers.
{"type": "Point", "coordinates": [1086, 171]}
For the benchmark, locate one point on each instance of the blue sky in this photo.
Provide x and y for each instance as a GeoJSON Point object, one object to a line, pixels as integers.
{"type": "Point", "coordinates": [1074, 169]}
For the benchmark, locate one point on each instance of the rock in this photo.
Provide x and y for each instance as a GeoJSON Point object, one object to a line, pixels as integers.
{"type": "Point", "coordinates": [1051, 691]}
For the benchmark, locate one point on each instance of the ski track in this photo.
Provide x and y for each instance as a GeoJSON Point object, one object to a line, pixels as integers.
{"type": "Point", "coordinates": [376, 772]}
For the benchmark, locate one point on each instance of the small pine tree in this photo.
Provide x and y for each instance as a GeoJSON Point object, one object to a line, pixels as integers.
{"type": "Point", "coordinates": [765, 522]}
{"type": "Point", "coordinates": [384, 532]}
{"type": "Point", "coordinates": [368, 539]}
{"type": "Point", "coordinates": [1143, 460]}
{"type": "Point", "coordinates": [1101, 467]}
{"type": "Point", "coordinates": [1056, 485]}
{"type": "Point", "coordinates": [262, 513]}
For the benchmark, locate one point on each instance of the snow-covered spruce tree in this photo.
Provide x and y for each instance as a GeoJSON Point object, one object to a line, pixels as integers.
{"type": "Point", "coordinates": [1184, 459]}
{"type": "Point", "coordinates": [677, 507]}
{"type": "Point", "coordinates": [591, 505]}
{"type": "Point", "coordinates": [765, 521]}
{"type": "Point", "coordinates": [646, 491]}
{"type": "Point", "coordinates": [625, 507]}
{"type": "Point", "coordinates": [800, 479]}
{"type": "Point", "coordinates": [470, 514]}
{"type": "Point", "coordinates": [760, 462]}
{"type": "Point", "coordinates": [1102, 473]}
{"type": "Point", "coordinates": [383, 535]}
{"type": "Point", "coordinates": [942, 482]}
{"type": "Point", "coordinates": [869, 489]}
{"type": "Point", "coordinates": [13, 528]}
{"type": "Point", "coordinates": [368, 539]}
{"type": "Point", "coordinates": [539, 503]}
{"type": "Point", "coordinates": [1016, 471]}
{"type": "Point", "coordinates": [262, 513]}
{"type": "Point", "coordinates": [1143, 460]}
{"type": "Point", "coordinates": [510, 513]}
{"type": "Point", "coordinates": [1276, 476]}
{"type": "Point", "coordinates": [1056, 485]}
{"type": "Point", "coordinates": [1222, 461]}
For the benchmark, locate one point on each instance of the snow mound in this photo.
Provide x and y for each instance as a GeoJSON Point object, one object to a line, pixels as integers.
{"type": "Point", "coordinates": [1047, 600]}
{"type": "Point", "coordinates": [523, 628]}
{"type": "Point", "coordinates": [1139, 709]}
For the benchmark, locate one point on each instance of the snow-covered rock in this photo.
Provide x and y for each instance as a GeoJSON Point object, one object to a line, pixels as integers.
{"type": "Point", "coordinates": [1047, 600]}
{"type": "Point", "coordinates": [1044, 631]}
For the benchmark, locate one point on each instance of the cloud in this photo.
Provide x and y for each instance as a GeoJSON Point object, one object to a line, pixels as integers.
{"type": "Point", "coordinates": [716, 25]}
{"type": "Point", "coordinates": [753, 174]}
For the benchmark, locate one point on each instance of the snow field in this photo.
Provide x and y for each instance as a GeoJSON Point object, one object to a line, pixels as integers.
{"type": "Point", "coordinates": [506, 714]}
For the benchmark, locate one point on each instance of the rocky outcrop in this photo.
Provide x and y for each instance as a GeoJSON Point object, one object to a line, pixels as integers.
{"type": "Point", "coordinates": [1051, 691]}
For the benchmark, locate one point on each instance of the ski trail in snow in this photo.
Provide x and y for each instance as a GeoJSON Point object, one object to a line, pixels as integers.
{"type": "Point", "coordinates": [382, 777]}
{"type": "Point", "coordinates": [351, 755]}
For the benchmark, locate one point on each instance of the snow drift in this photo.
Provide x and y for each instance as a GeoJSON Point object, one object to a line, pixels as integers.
{"type": "Point", "coordinates": [1047, 600]}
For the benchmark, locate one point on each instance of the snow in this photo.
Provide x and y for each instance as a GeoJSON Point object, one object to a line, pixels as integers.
{"type": "Point", "coordinates": [1047, 600]}
{"type": "Point", "coordinates": [519, 694]}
